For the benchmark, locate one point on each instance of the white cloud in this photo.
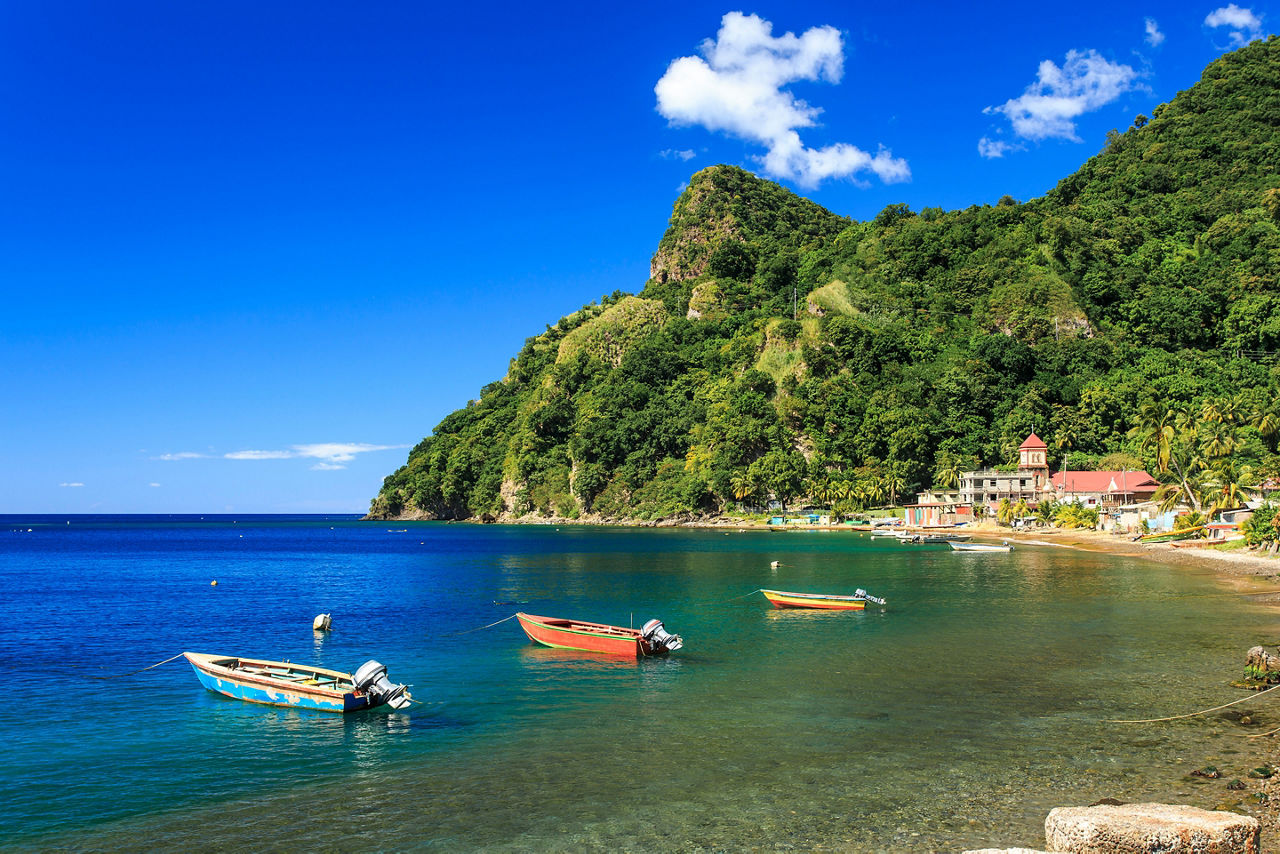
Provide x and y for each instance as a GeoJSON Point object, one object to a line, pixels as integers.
{"type": "Point", "coordinates": [153, 484]}
{"type": "Point", "coordinates": [1154, 36]}
{"type": "Point", "coordinates": [70, 484]}
{"type": "Point", "coordinates": [259, 455]}
{"type": "Point", "coordinates": [1243, 24]}
{"type": "Point", "coordinates": [993, 148]}
{"type": "Point", "coordinates": [332, 455]}
{"type": "Point", "coordinates": [672, 154]}
{"type": "Point", "coordinates": [1049, 107]}
{"type": "Point", "coordinates": [737, 87]}
{"type": "Point", "coordinates": [338, 452]}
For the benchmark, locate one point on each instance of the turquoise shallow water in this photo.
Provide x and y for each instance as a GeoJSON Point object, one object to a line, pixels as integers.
{"type": "Point", "coordinates": [956, 717]}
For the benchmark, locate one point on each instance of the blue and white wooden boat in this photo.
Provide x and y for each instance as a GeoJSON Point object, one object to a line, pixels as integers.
{"type": "Point", "coordinates": [282, 683]}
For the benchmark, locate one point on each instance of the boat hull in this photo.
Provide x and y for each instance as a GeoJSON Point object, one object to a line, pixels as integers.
{"type": "Point", "coordinates": [978, 548]}
{"type": "Point", "coordinates": [1170, 536]}
{"type": "Point", "coordinates": [586, 637]}
{"type": "Point", "coordinates": [222, 675]}
{"type": "Point", "coordinates": [780, 599]}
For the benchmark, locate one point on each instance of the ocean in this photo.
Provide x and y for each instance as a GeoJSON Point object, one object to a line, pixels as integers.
{"type": "Point", "coordinates": [976, 700]}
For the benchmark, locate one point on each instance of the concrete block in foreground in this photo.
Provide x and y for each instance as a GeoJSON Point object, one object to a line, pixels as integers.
{"type": "Point", "coordinates": [1146, 828]}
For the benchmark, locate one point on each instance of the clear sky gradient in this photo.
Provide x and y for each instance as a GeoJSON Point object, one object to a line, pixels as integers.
{"type": "Point", "coordinates": [250, 253]}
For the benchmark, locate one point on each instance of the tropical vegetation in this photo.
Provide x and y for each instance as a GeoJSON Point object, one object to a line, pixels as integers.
{"type": "Point", "coordinates": [781, 352]}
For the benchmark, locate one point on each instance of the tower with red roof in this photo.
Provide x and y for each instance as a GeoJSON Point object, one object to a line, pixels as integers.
{"type": "Point", "coordinates": [1033, 456]}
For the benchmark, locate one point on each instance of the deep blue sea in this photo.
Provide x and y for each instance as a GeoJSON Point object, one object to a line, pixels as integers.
{"type": "Point", "coordinates": [955, 717]}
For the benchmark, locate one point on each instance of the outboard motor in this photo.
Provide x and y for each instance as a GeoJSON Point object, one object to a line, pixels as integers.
{"type": "Point", "coordinates": [658, 638]}
{"type": "Point", "coordinates": [371, 678]}
{"type": "Point", "coordinates": [862, 594]}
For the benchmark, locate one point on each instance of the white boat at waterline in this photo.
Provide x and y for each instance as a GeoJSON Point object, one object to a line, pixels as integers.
{"type": "Point", "coordinates": [980, 547]}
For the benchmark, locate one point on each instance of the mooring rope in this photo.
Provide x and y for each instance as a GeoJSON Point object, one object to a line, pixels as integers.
{"type": "Point", "coordinates": [726, 601]}
{"type": "Point", "coordinates": [469, 631]}
{"type": "Point", "coordinates": [1264, 734]}
{"type": "Point", "coordinates": [131, 672]}
{"type": "Point", "coordinates": [1201, 712]}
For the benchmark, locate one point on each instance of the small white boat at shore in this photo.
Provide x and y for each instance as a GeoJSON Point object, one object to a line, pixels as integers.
{"type": "Point", "coordinates": [980, 547]}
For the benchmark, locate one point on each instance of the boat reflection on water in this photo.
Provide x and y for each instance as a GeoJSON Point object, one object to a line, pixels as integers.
{"type": "Point", "coordinates": [538, 657]}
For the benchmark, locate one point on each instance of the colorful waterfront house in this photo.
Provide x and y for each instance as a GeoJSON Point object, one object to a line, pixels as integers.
{"type": "Point", "coordinates": [1108, 491]}
{"type": "Point", "coordinates": [926, 514]}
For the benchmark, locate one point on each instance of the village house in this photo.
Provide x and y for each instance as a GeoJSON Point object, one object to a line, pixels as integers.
{"type": "Point", "coordinates": [987, 487]}
{"type": "Point", "coordinates": [1107, 491]}
{"type": "Point", "coordinates": [1027, 483]}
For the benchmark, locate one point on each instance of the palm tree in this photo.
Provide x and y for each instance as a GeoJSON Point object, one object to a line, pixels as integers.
{"type": "Point", "coordinates": [1046, 510]}
{"type": "Point", "coordinates": [1021, 509]}
{"type": "Point", "coordinates": [1219, 441]}
{"type": "Point", "coordinates": [947, 471]}
{"type": "Point", "coordinates": [820, 490]}
{"type": "Point", "coordinates": [745, 486]}
{"type": "Point", "coordinates": [894, 483]}
{"type": "Point", "coordinates": [1267, 423]}
{"type": "Point", "coordinates": [1230, 486]}
{"type": "Point", "coordinates": [842, 492]}
{"type": "Point", "coordinates": [860, 495]}
{"type": "Point", "coordinates": [1177, 490]}
{"type": "Point", "coordinates": [1065, 439]}
{"type": "Point", "coordinates": [1233, 409]}
{"type": "Point", "coordinates": [1004, 513]}
{"type": "Point", "coordinates": [1155, 428]}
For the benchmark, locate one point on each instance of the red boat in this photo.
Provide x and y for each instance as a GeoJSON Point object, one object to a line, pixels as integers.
{"type": "Point", "coordinates": [829, 602]}
{"type": "Point", "coordinates": [557, 633]}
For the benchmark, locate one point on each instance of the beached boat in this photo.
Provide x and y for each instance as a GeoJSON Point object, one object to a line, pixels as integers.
{"type": "Point", "coordinates": [1167, 536]}
{"type": "Point", "coordinates": [282, 683]}
{"type": "Point", "coordinates": [650, 639]}
{"type": "Point", "coordinates": [980, 547]}
{"type": "Point", "coordinates": [823, 601]}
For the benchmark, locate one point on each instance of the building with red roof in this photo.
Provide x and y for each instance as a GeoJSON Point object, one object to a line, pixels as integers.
{"type": "Point", "coordinates": [1104, 489]}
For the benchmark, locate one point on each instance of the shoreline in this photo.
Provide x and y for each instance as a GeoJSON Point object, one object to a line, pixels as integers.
{"type": "Point", "coordinates": [1238, 569]}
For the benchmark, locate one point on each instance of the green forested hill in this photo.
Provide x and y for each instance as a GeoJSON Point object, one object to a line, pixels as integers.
{"type": "Point", "coordinates": [779, 349]}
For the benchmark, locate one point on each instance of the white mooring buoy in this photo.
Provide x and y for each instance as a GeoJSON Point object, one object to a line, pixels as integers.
{"type": "Point", "coordinates": [322, 622]}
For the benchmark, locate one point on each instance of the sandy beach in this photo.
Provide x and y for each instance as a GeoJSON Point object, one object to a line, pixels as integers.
{"type": "Point", "coordinates": [1241, 568]}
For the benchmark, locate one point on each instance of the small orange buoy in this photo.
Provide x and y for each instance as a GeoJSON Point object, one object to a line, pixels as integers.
{"type": "Point", "coordinates": [213, 583]}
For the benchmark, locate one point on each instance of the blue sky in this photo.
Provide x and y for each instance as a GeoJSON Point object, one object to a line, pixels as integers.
{"type": "Point", "coordinates": [251, 253]}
